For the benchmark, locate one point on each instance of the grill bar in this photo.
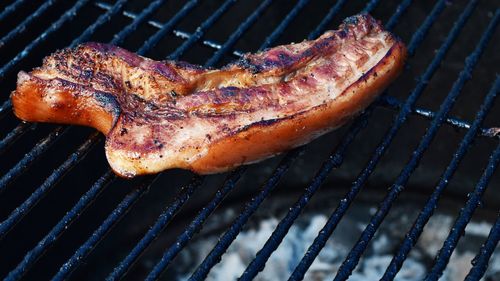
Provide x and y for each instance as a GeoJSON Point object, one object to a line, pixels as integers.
{"type": "Point", "coordinates": [117, 7]}
{"type": "Point", "coordinates": [480, 262]}
{"type": "Point", "coordinates": [33, 255]}
{"type": "Point", "coordinates": [421, 32]}
{"type": "Point", "coordinates": [463, 219]}
{"type": "Point", "coordinates": [372, 4]}
{"type": "Point", "coordinates": [30, 158]}
{"type": "Point", "coordinates": [200, 31]}
{"type": "Point", "coordinates": [355, 254]}
{"type": "Point", "coordinates": [335, 9]}
{"type": "Point", "coordinates": [402, 7]}
{"type": "Point", "coordinates": [235, 228]}
{"type": "Point", "coordinates": [122, 208]}
{"type": "Point", "coordinates": [4, 108]}
{"type": "Point", "coordinates": [68, 15]}
{"type": "Point", "coordinates": [209, 43]}
{"type": "Point", "coordinates": [283, 24]}
{"type": "Point", "coordinates": [13, 135]}
{"type": "Point", "coordinates": [394, 103]}
{"type": "Point", "coordinates": [20, 28]}
{"type": "Point", "coordinates": [38, 194]}
{"type": "Point", "coordinates": [196, 224]}
{"type": "Point", "coordinates": [145, 14]}
{"type": "Point", "coordinates": [10, 9]}
{"type": "Point", "coordinates": [240, 30]}
{"type": "Point", "coordinates": [167, 27]}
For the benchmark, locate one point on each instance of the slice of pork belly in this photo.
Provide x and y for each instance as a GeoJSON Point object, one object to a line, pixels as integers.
{"type": "Point", "coordinates": [158, 115]}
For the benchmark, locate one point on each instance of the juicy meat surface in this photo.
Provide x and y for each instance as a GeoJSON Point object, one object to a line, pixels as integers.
{"type": "Point", "coordinates": [158, 115]}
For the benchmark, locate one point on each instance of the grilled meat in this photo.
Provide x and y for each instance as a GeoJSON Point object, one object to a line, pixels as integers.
{"type": "Point", "coordinates": [160, 115]}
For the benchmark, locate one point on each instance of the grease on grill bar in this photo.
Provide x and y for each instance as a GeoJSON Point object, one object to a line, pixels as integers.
{"type": "Point", "coordinates": [173, 27]}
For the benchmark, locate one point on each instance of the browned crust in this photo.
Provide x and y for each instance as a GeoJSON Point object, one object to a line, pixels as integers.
{"type": "Point", "coordinates": [68, 103]}
{"type": "Point", "coordinates": [262, 140]}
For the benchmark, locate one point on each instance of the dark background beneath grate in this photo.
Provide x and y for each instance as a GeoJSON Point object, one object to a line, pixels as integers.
{"type": "Point", "coordinates": [124, 236]}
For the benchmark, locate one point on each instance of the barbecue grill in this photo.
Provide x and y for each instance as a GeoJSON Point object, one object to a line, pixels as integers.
{"type": "Point", "coordinates": [431, 136]}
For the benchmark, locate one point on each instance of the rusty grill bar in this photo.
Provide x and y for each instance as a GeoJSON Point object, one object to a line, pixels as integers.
{"type": "Point", "coordinates": [405, 108]}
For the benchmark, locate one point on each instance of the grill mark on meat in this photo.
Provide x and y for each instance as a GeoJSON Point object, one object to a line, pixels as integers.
{"type": "Point", "coordinates": [164, 114]}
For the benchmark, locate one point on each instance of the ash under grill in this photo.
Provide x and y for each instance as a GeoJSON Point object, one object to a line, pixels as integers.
{"type": "Point", "coordinates": [430, 142]}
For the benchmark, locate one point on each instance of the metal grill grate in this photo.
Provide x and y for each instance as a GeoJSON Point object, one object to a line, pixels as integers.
{"type": "Point", "coordinates": [172, 27]}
